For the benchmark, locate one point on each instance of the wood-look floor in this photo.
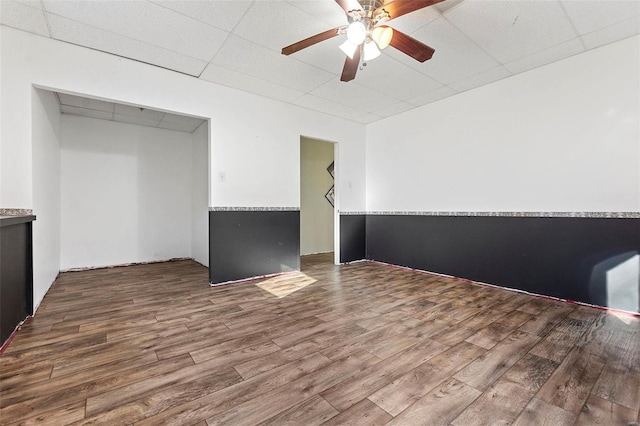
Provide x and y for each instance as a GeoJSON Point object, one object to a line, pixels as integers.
{"type": "Point", "coordinates": [357, 344]}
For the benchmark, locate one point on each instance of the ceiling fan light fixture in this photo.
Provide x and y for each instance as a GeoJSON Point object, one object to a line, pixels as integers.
{"type": "Point", "coordinates": [382, 36]}
{"type": "Point", "coordinates": [348, 48]}
{"type": "Point", "coordinates": [370, 51]}
{"type": "Point", "coordinates": [356, 33]}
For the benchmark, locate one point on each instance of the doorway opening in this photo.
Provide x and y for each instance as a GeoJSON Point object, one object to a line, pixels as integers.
{"type": "Point", "coordinates": [318, 200]}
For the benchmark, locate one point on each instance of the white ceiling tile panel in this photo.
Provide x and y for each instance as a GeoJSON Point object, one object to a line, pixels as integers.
{"type": "Point", "coordinates": [139, 112]}
{"type": "Point", "coordinates": [354, 95]}
{"type": "Point", "coordinates": [398, 108]}
{"type": "Point", "coordinates": [481, 79]}
{"type": "Point", "coordinates": [555, 53]}
{"type": "Point", "coordinates": [327, 11]}
{"type": "Point", "coordinates": [413, 21]}
{"type": "Point", "coordinates": [77, 33]}
{"type": "Point", "coordinates": [181, 119]}
{"type": "Point", "coordinates": [509, 30]}
{"type": "Point", "coordinates": [329, 107]}
{"type": "Point", "coordinates": [221, 14]}
{"type": "Point", "coordinates": [84, 112]}
{"type": "Point", "coordinates": [427, 98]}
{"type": "Point", "coordinates": [134, 120]}
{"type": "Point", "coordinates": [612, 33]}
{"type": "Point", "coordinates": [80, 102]}
{"type": "Point", "coordinates": [146, 22]}
{"type": "Point", "coordinates": [589, 15]}
{"type": "Point", "coordinates": [179, 127]}
{"type": "Point", "coordinates": [455, 58]}
{"type": "Point", "coordinates": [237, 80]}
{"type": "Point", "coordinates": [387, 75]}
{"type": "Point", "coordinates": [326, 55]}
{"type": "Point", "coordinates": [251, 59]}
{"type": "Point", "coordinates": [21, 15]}
{"type": "Point", "coordinates": [263, 23]}
{"type": "Point", "coordinates": [369, 118]}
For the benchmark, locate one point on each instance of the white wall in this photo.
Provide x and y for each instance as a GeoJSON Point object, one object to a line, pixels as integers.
{"type": "Point", "coordinates": [316, 213]}
{"type": "Point", "coordinates": [563, 137]}
{"type": "Point", "coordinates": [200, 195]}
{"type": "Point", "coordinates": [254, 140]}
{"type": "Point", "coordinates": [125, 193]}
{"type": "Point", "coordinates": [45, 132]}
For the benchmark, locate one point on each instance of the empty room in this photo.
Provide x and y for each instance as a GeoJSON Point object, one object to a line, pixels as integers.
{"type": "Point", "coordinates": [366, 212]}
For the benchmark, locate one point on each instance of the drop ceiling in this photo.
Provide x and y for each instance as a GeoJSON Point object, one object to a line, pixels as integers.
{"type": "Point", "coordinates": [237, 44]}
{"type": "Point", "coordinates": [94, 108]}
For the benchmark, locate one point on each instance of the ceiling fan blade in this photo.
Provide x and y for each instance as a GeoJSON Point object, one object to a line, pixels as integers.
{"type": "Point", "coordinates": [349, 5]}
{"type": "Point", "coordinates": [410, 46]}
{"type": "Point", "coordinates": [396, 8]}
{"type": "Point", "coordinates": [310, 41]}
{"type": "Point", "coordinates": [351, 67]}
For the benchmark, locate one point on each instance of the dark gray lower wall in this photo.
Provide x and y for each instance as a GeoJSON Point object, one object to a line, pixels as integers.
{"type": "Point", "coordinates": [352, 237]}
{"type": "Point", "coordinates": [16, 273]}
{"type": "Point", "coordinates": [245, 244]}
{"type": "Point", "coordinates": [564, 257]}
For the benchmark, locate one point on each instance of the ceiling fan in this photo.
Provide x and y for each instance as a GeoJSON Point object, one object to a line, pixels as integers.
{"type": "Point", "coordinates": [367, 33]}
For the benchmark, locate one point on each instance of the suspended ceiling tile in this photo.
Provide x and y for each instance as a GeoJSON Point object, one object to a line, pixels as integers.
{"type": "Point", "coordinates": [181, 119]}
{"type": "Point", "coordinates": [481, 79]}
{"type": "Point", "coordinates": [179, 127]}
{"type": "Point", "coordinates": [555, 53]}
{"type": "Point", "coordinates": [251, 59]}
{"type": "Point", "coordinates": [369, 118]}
{"type": "Point", "coordinates": [88, 103]}
{"type": "Point", "coordinates": [455, 58]}
{"type": "Point", "coordinates": [398, 108]}
{"type": "Point", "coordinates": [612, 33]}
{"type": "Point", "coordinates": [327, 11]}
{"type": "Point", "coordinates": [325, 55]}
{"type": "Point", "coordinates": [139, 112]}
{"type": "Point", "coordinates": [411, 22]}
{"type": "Point", "coordinates": [509, 30]}
{"type": "Point", "coordinates": [324, 105]}
{"type": "Point", "coordinates": [145, 22]}
{"type": "Point", "coordinates": [589, 16]}
{"type": "Point", "coordinates": [353, 95]}
{"type": "Point", "coordinates": [264, 21]}
{"type": "Point", "coordinates": [84, 35]}
{"type": "Point", "coordinates": [237, 80]}
{"type": "Point", "coordinates": [427, 98]}
{"type": "Point", "coordinates": [84, 112]}
{"type": "Point", "coordinates": [23, 16]}
{"type": "Point", "coordinates": [135, 120]}
{"type": "Point", "coordinates": [387, 75]}
{"type": "Point", "coordinates": [221, 14]}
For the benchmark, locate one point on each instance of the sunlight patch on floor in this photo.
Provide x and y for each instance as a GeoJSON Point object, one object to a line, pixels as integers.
{"type": "Point", "coordinates": [284, 285]}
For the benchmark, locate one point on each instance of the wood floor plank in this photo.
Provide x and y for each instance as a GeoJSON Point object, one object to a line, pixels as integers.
{"type": "Point", "coordinates": [278, 400]}
{"type": "Point", "coordinates": [598, 411]}
{"type": "Point", "coordinates": [363, 413]}
{"type": "Point", "coordinates": [482, 372]}
{"type": "Point", "coordinates": [410, 387]}
{"type": "Point", "coordinates": [359, 386]}
{"type": "Point", "coordinates": [440, 406]}
{"type": "Point", "coordinates": [539, 412]}
{"type": "Point", "coordinates": [570, 385]}
{"type": "Point", "coordinates": [362, 344]}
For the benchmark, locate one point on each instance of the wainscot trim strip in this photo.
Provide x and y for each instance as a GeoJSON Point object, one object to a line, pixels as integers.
{"type": "Point", "coordinates": [596, 215]}
{"type": "Point", "coordinates": [254, 209]}
{"type": "Point", "coordinates": [15, 212]}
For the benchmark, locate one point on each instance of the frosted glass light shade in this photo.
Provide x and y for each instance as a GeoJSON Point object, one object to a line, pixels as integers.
{"type": "Point", "coordinates": [348, 48]}
{"type": "Point", "coordinates": [370, 51]}
{"type": "Point", "coordinates": [382, 36]}
{"type": "Point", "coordinates": [356, 32]}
